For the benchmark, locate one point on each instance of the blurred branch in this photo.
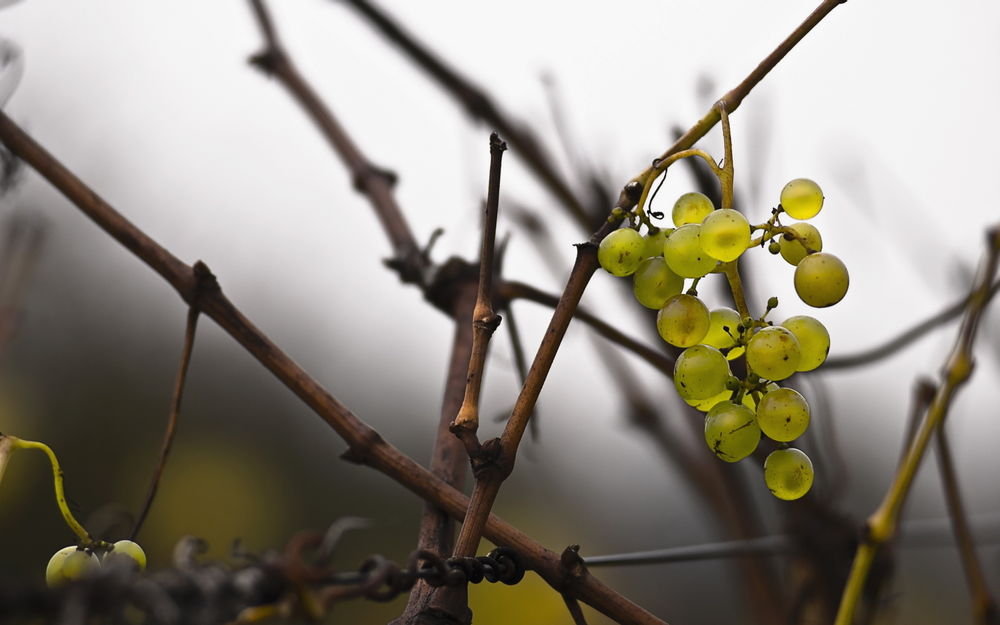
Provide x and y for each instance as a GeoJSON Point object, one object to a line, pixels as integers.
{"type": "Point", "coordinates": [376, 183]}
{"type": "Point", "coordinates": [484, 320]}
{"type": "Point", "coordinates": [763, 545]}
{"type": "Point", "coordinates": [889, 348]}
{"type": "Point", "coordinates": [23, 237]}
{"type": "Point", "coordinates": [366, 446]}
{"type": "Point", "coordinates": [175, 409]}
{"type": "Point", "coordinates": [984, 608]}
{"type": "Point", "coordinates": [881, 525]}
{"type": "Point", "coordinates": [481, 106]}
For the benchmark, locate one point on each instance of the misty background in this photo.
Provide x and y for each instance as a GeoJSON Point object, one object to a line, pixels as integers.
{"type": "Point", "coordinates": [887, 105]}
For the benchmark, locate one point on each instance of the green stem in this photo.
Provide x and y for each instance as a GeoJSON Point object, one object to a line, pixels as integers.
{"type": "Point", "coordinates": [732, 272]}
{"type": "Point", "coordinates": [726, 174]}
{"type": "Point", "coordinates": [57, 478]}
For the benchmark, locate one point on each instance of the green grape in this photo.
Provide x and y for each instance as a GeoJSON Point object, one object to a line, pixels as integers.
{"type": "Point", "coordinates": [788, 473]}
{"type": "Point", "coordinates": [691, 208]}
{"type": "Point", "coordinates": [793, 251]}
{"type": "Point", "coordinates": [731, 431]}
{"type": "Point", "coordinates": [683, 320]}
{"type": "Point", "coordinates": [814, 340]}
{"type": "Point", "coordinates": [783, 415]}
{"type": "Point", "coordinates": [774, 353]}
{"type": "Point", "coordinates": [704, 405]}
{"type": "Point", "coordinates": [821, 280]}
{"type": "Point", "coordinates": [621, 252]}
{"type": "Point", "coordinates": [722, 328]}
{"type": "Point", "coordinates": [725, 234]}
{"type": "Point", "coordinates": [802, 198]}
{"type": "Point", "coordinates": [653, 283]}
{"type": "Point", "coordinates": [126, 549]}
{"type": "Point", "coordinates": [700, 372]}
{"type": "Point", "coordinates": [684, 254]}
{"type": "Point", "coordinates": [67, 564]}
{"type": "Point", "coordinates": [653, 243]}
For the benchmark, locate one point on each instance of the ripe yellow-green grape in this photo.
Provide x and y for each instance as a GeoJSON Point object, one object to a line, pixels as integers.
{"type": "Point", "coordinates": [691, 208]}
{"type": "Point", "coordinates": [683, 320]}
{"type": "Point", "coordinates": [788, 473]}
{"type": "Point", "coordinates": [773, 353]}
{"type": "Point", "coordinates": [621, 252]}
{"type": "Point", "coordinates": [814, 340]}
{"type": "Point", "coordinates": [700, 372]}
{"type": "Point", "coordinates": [126, 549]}
{"type": "Point", "coordinates": [722, 327]}
{"type": "Point", "coordinates": [69, 563]}
{"type": "Point", "coordinates": [802, 198]}
{"type": "Point", "coordinates": [821, 280]}
{"type": "Point", "coordinates": [704, 405]}
{"type": "Point", "coordinates": [793, 251]}
{"type": "Point", "coordinates": [654, 242]}
{"type": "Point", "coordinates": [725, 234]}
{"type": "Point", "coordinates": [653, 283]}
{"type": "Point", "coordinates": [783, 415]}
{"type": "Point", "coordinates": [683, 252]}
{"type": "Point", "coordinates": [731, 431]}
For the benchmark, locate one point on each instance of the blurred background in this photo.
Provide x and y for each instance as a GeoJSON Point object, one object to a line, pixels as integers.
{"type": "Point", "coordinates": [885, 104]}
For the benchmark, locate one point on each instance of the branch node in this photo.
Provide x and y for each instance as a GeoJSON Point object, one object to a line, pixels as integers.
{"type": "Point", "coordinates": [572, 565]}
{"type": "Point", "coordinates": [364, 173]}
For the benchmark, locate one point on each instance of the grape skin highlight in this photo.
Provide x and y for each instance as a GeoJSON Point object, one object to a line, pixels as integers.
{"type": "Point", "coordinates": [718, 321]}
{"type": "Point", "coordinates": [788, 473]}
{"type": "Point", "coordinates": [683, 320]}
{"type": "Point", "coordinates": [67, 564]}
{"type": "Point", "coordinates": [621, 252]}
{"type": "Point", "coordinates": [802, 198]}
{"type": "Point", "coordinates": [725, 234]}
{"type": "Point", "coordinates": [821, 280]}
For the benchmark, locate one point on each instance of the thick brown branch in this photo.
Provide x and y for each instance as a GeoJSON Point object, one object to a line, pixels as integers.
{"type": "Point", "coordinates": [480, 106]}
{"type": "Point", "coordinates": [484, 320]}
{"type": "Point", "coordinates": [175, 410]}
{"type": "Point", "coordinates": [375, 182]}
{"type": "Point", "coordinates": [366, 445]}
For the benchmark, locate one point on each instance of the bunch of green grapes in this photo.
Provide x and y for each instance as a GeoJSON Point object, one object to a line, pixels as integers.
{"type": "Point", "coordinates": [73, 562]}
{"type": "Point", "coordinates": [708, 240]}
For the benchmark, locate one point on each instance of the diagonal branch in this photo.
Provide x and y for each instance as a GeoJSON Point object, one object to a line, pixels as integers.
{"type": "Point", "coordinates": [366, 446]}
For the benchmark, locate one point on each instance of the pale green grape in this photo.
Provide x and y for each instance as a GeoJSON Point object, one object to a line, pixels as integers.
{"type": "Point", "coordinates": [684, 254]}
{"type": "Point", "coordinates": [691, 208]}
{"type": "Point", "coordinates": [725, 234]}
{"type": "Point", "coordinates": [700, 372]}
{"type": "Point", "coordinates": [788, 473]}
{"type": "Point", "coordinates": [821, 280]}
{"type": "Point", "coordinates": [731, 431]}
{"type": "Point", "coordinates": [683, 320]}
{"type": "Point", "coordinates": [773, 353]}
{"type": "Point", "coordinates": [621, 252]}
{"type": "Point", "coordinates": [132, 551]}
{"type": "Point", "coordinates": [814, 340]}
{"type": "Point", "coordinates": [653, 243]}
{"type": "Point", "coordinates": [653, 283]}
{"type": "Point", "coordinates": [802, 198]}
{"type": "Point", "coordinates": [783, 415]}
{"type": "Point", "coordinates": [793, 251]}
{"type": "Point", "coordinates": [69, 563]}
{"type": "Point", "coordinates": [704, 405]}
{"type": "Point", "coordinates": [722, 328]}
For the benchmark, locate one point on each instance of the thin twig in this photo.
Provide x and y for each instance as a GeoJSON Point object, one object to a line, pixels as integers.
{"type": "Point", "coordinates": [175, 409]}
{"type": "Point", "coordinates": [366, 446]}
{"type": "Point", "coordinates": [484, 320]}
{"type": "Point", "coordinates": [984, 608]}
{"type": "Point", "coordinates": [892, 346]}
{"type": "Point", "coordinates": [480, 106]}
{"type": "Point", "coordinates": [881, 525]}
{"type": "Point", "coordinates": [763, 545]}
{"type": "Point", "coordinates": [574, 609]}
